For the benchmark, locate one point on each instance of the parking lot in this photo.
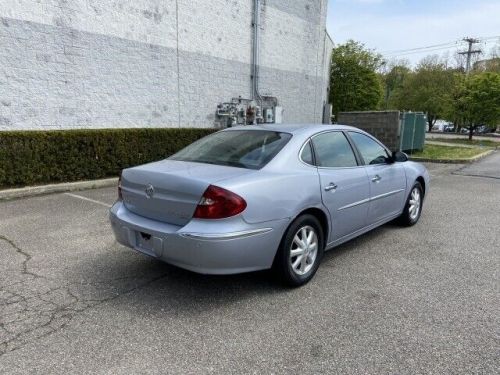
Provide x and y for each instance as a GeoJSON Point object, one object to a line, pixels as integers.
{"type": "Point", "coordinates": [396, 300]}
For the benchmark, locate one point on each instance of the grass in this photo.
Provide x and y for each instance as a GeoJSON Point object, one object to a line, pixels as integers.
{"type": "Point", "coordinates": [436, 152]}
{"type": "Point", "coordinates": [474, 142]}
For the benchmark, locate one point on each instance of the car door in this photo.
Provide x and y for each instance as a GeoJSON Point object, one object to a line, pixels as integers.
{"type": "Point", "coordinates": [344, 183]}
{"type": "Point", "coordinates": [387, 180]}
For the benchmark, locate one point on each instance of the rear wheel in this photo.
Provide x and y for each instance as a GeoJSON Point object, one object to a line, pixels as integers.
{"type": "Point", "coordinates": [300, 251]}
{"type": "Point", "coordinates": [413, 207]}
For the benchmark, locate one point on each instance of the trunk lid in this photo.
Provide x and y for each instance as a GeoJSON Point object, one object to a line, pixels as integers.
{"type": "Point", "coordinates": [169, 190]}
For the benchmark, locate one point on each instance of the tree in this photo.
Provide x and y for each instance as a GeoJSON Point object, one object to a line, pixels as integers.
{"type": "Point", "coordinates": [355, 85]}
{"type": "Point", "coordinates": [393, 79]}
{"type": "Point", "coordinates": [478, 101]}
{"type": "Point", "coordinates": [428, 89]}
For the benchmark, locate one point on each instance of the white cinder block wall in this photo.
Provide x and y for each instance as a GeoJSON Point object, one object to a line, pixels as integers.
{"type": "Point", "coordinates": [153, 63]}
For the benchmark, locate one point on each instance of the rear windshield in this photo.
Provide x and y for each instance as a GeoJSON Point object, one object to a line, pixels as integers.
{"type": "Point", "coordinates": [250, 149]}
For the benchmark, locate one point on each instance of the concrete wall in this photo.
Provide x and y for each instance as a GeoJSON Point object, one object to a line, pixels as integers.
{"type": "Point", "coordinates": [135, 63]}
{"type": "Point", "coordinates": [384, 126]}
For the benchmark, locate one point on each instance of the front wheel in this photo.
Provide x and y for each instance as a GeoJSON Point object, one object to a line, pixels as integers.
{"type": "Point", "coordinates": [413, 206]}
{"type": "Point", "coordinates": [300, 251]}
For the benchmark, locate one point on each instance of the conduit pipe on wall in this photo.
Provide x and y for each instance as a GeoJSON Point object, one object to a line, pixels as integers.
{"type": "Point", "coordinates": [255, 53]}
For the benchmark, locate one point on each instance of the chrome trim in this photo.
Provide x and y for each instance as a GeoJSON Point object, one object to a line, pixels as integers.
{"type": "Point", "coordinates": [354, 204]}
{"type": "Point", "coordinates": [370, 199]}
{"type": "Point", "coordinates": [358, 232]}
{"type": "Point", "coordinates": [386, 194]}
{"type": "Point", "coordinates": [335, 168]}
{"type": "Point", "coordinates": [331, 186]}
{"type": "Point", "coordinates": [300, 154]}
{"type": "Point", "coordinates": [225, 236]}
{"type": "Point", "coordinates": [353, 151]}
{"type": "Point", "coordinates": [317, 166]}
{"type": "Point", "coordinates": [389, 152]}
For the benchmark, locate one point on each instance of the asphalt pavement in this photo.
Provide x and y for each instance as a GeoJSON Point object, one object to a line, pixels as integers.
{"type": "Point", "coordinates": [416, 300]}
{"type": "Point", "coordinates": [487, 167]}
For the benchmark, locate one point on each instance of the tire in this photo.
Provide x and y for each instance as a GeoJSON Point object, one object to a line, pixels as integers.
{"type": "Point", "coordinates": [296, 270]}
{"type": "Point", "coordinates": [413, 206]}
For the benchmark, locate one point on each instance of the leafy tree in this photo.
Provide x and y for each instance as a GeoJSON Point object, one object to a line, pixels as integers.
{"type": "Point", "coordinates": [477, 101]}
{"type": "Point", "coordinates": [393, 80]}
{"type": "Point", "coordinates": [490, 64]}
{"type": "Point", "coordinates": [429, 89]}
{"type": "Point", "coordinates": [355, 85]}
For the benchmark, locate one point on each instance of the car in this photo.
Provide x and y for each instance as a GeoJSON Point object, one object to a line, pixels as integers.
{"type": "Point", "coordinates": [450, 128]}
{"type": "Point", "coordinates": [484, 129]}
{"type": "Point", "coordinates": [268, 196]}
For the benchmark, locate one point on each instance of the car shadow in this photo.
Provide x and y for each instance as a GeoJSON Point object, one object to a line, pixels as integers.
{"type": "Point", "coordinates": [125, 278]}
{"type": "Point", "coordinates": [130, 280]}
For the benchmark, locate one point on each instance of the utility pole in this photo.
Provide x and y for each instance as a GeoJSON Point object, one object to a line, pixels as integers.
{"type": "Point", "coordinates": [470, 52]}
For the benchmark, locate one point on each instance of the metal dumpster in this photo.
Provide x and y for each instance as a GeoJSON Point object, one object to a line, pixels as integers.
{"type": "Point", "coordinates": [412, 128]}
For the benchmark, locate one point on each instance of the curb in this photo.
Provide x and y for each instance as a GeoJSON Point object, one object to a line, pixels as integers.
{"type": "Point", "coordinates": [453, 161]}
{"type": "Point", "coordinates": [439, 143]}
{"type": "Point", "coordinates": [32, 191]}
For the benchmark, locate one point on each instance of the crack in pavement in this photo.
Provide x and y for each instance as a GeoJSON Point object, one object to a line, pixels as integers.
{"type": "Point", "coordinates": [41, 320]}
{"type": "Point", "coordinates": [27, 257]}
{"type": "Point", "coordinates": [36, 307]}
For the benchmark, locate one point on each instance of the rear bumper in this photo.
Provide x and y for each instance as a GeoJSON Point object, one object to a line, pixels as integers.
{"type": "Point", "coordinates": [205, 246]}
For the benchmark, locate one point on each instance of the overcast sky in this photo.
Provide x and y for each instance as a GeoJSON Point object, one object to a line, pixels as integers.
{"type": "Point", "coordinates": [394, 25]}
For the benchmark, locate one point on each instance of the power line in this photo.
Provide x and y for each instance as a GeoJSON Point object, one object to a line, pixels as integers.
{"type": "Point", "coordinates": [432, 48]}
{"type": "Point", "coordinates": [419, 48]}
{"type": "Point", "coordinates": [417, 52]}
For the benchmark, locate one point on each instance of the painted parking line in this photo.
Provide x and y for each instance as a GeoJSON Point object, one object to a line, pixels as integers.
{"type": "Point", "coordinates": [88, 199]}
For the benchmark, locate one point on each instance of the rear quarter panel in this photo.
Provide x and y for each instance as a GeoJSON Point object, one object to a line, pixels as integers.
{"type": "Point", "coordinates": [276, 195]}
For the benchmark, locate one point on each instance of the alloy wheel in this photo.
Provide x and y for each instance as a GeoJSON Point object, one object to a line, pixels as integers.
{"type": "Point", "coordinates": [304, 250]}
{"type": "Point", "coordinates": [415, 201]}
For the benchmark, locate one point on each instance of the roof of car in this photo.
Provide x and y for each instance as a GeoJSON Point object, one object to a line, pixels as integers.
{"type": "Point", "coordinates": [293, 128]}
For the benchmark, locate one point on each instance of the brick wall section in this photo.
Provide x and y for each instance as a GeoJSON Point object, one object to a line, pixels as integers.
{"type": "Point", "coordinates": [154, 63]}
{"type": "Point", "coordinates": [384, 126]}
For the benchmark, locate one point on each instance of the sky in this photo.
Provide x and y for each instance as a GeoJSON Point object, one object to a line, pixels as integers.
{"type": "Point", "coordinates": [394, 26]}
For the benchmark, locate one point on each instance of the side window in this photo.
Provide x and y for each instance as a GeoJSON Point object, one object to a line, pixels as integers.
{"type": "Point", "coordinates": [371, 151]}
{"type": "Point", "coordinates": [306, 155]}
{"type": "Point", "coordinates": [333, 150]}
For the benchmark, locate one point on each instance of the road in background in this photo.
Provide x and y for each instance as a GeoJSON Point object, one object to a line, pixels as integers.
{"type": "Point", "coordinates": [435, 135]}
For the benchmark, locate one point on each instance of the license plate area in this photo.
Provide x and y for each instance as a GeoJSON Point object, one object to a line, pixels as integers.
{"type": "Point", "coordinates": [144, 241]}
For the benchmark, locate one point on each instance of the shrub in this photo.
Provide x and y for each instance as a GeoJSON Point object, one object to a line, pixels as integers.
{"type": "Point", "coordinates": [37, 157]}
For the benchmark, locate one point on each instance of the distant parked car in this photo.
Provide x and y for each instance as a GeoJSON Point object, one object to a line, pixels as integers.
{"type": "Point", "coordinates": [255, 197]}
{"type": "Point", "coordinates": [483, 129]}
{"type": "Point", "coordinates": [449, 128]}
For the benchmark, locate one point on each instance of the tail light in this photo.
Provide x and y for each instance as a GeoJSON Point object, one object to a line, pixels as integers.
{"type": "Point", "coordinates": [120, 196]}
{"type": "Point", "coordinates": [219, 203]}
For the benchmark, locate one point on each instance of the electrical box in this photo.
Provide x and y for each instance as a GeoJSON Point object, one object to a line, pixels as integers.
{"type": "Point", "coordinates": [278, 115]}
{"type": "Point", "coordinates": [268, 116]}
{"type": "Point", "coordinates": [241, 111]}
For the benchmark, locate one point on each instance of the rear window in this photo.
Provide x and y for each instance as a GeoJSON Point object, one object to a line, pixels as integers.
{"type": "Point", "coordinates": [250, 149]}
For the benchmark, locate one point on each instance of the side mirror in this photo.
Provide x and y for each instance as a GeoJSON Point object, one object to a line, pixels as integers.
{"type": "Point", "coordinates": [399, 156]}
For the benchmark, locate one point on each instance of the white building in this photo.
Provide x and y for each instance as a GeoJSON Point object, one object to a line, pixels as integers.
{"type": "Point", "coordinates": [154, 63]}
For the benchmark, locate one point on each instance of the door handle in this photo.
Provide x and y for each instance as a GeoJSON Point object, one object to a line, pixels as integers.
{"type": "Point", "coordinates": [377, 178]}
{"type": "Point", "coordinates": [331, 186]}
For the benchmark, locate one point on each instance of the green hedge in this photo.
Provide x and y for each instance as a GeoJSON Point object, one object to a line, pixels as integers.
{"type": "Point", "coordinates": [38, 157]}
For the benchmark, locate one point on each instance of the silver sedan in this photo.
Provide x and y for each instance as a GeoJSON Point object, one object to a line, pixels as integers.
{"type": "Point", "coordinates": [259, 197]}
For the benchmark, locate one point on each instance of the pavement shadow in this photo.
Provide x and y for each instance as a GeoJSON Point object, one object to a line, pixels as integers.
{"type": "Point", "coordinates": [131, 278]}
{"type": "Point", "coordinates": [136, 281]}
{"type": "Point", "coordinates": [355, 244]}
